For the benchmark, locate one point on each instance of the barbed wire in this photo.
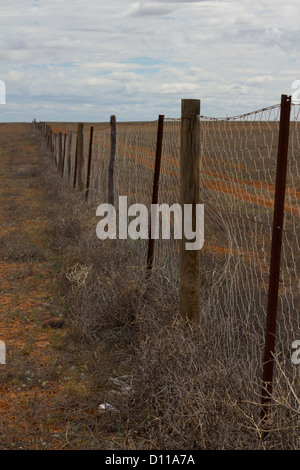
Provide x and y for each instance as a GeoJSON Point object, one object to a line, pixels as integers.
{"type": "Point", "coordinates": [241, 116]}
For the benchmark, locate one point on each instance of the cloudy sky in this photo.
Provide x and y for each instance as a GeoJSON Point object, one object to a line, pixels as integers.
{"type": "Point", "coordinates": [74, 60]}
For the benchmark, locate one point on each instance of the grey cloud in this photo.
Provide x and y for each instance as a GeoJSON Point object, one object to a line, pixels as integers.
{"type": "Point", "coordinates": [179, 1]}
{"type": "Point", "coordinates": [95, 54]}
{"type": "Point", "coordinates": [152, 9]}
{"type": "Point", "coordinates": [159, 8]}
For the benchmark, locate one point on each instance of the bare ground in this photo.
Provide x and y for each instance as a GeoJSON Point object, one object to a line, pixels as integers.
{"type": "Point", "coordinates": [45, 391]}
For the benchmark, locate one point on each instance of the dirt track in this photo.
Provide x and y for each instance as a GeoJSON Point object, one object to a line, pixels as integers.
{"type": "Point", "coordinates": [27, 296]}
{"type": "Point", "coordinates": [38, 384]}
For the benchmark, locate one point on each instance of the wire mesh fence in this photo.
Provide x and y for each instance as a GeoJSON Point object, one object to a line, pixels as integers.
{"type": "Point", "coordinates": [238, 172]}
{"type": "Point", "coordinates": [237, 181]}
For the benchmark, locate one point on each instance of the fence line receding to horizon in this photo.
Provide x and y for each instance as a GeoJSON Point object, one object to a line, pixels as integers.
{"type": "Point", "coordinates": [237, 177]}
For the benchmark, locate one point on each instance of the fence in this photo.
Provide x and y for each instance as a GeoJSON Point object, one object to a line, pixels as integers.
{"type": "Point", "coordinates": [242, 301]}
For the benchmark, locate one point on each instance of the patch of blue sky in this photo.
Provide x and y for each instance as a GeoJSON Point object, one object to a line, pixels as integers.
{"type": "Point", "coordinates": [62, 64]}
{"type": "Point", "coordinates": [66, 64]}
{"type": "Point", "coordinates": [144, 61]}
{"type": "Point", "coordinates": [5, 63]}
{"type": "Point", "coordinates": [167, 18]}
{"type": "Point", "coordinates": [40, 66]}
{"type": "Point", "coordinates": [265, 11]}
{"type": "Point", "coordinates": [145, 65]}
{"type": "Point", "coordinates": [30, 23]}
{"type": "Point", "coordinates": [147, 70]}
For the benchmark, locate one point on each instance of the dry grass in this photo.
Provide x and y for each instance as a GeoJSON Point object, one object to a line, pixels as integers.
{"type": "Point", "coordinates": [172, 385]}
{"type": "Point", "coordinates": [14, 247]}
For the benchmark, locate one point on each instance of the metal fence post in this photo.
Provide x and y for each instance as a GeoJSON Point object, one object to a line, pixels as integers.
{"type": "Point", "coordinates": [87, 188]}
{"type": "Point", "coordinates": [80, 158]}
{"type": "Point", "coordinates": [113, 141]}
{"type": "Point", "coordinates": [278, 217]}
{"type": "Point", "coordinates": [159, 141]}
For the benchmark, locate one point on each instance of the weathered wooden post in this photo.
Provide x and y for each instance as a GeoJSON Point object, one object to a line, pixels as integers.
{"type": "Point", "coordinates": [69, 153]}
{"type": "Point", "coordinates": [189, 264]}
{"type": "Point", "coordinates": [49, 139]}
{"type": "Point", "coordinates": [60, 153]}
{"type": "Point", "coordinates": [46, 134]}
{"type": "Point", "coordinates": [79, 162]}
{"type": "Point", "coordinates": [64, 156]}
{"type": "Point", "coordinates": [55, 148]}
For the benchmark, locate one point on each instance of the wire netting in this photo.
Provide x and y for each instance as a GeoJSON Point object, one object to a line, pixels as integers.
{"type": "Point", "coordinates": [238, 172]}
{"type": "Point", "coordinates": [237, 181]}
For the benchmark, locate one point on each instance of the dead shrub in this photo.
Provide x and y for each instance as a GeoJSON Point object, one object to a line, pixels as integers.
{"type": "Point", "coordinates": [104, 308]}
{"type": "Point", "coordinates": [174, 385]}
{"type": "Point", "coordinates": [64, 231]}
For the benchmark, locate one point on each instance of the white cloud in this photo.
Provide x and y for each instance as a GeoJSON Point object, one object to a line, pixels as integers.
{"type": "Point", "coordinates": [84, 59]}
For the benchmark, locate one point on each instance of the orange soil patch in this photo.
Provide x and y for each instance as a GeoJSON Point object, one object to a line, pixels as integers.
{"type": "Point", "coordinates": [228, 185]}
{"type": "Point", "coordinates": [146, 158]}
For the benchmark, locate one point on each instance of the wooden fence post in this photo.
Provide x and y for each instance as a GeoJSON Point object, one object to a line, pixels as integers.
{"type": "Point", "coordinates": [49, 141]}
{"type": "Point", "coordinates": [69, 153]}
{"type": "Point", "coordinates": [79, 162]}
{"type": "Point", "coordinates": [64, 156]}
{"type": "Point", "coordinates": [89, 164]}
{"type": "Point", "coordinates": [47, 134]}
{"type": "Point", "coordinates": [278, 217]}
{"type": "Point", "coordinates": [189, 263]}
{"type": "Point", "coordinates": [113, 140]}
{"type": "Point", "coordinates": [60, 153]}
{"type": "Point", "coordinates": [55, 148]}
